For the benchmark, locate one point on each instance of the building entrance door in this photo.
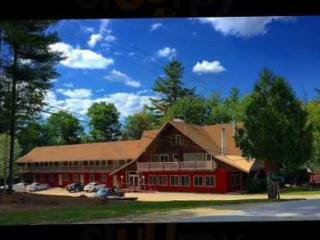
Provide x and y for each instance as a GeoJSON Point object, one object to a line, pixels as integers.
{"type": "Point", "coordinates": [133, 180]}
{"type": "Point", "coordinates": [60, 179]}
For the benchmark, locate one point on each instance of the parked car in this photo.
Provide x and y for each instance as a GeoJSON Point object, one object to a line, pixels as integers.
{"type": "Point", "coordinates": [74, 187]}
{"type": "Point", "coordinates": [18, 187]}
{"type": "Point", "coordinates": [108, 192]}
{"type": "Point", "coordinates": [94, 187]}
{"type": "Point", "coordinates": [37, 187]}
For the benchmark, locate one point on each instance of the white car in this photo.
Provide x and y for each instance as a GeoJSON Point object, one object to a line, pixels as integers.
{"type": "Point", "coordinates": [37, 187]}
{"type": "Point", "coordinates": [93, 187]}
{"type": "Point", "coordinates": [19, 187]}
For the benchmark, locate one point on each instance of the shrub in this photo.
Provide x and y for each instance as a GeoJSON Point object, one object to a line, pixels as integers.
{"type": "Point", "coordinates": [255, 185]}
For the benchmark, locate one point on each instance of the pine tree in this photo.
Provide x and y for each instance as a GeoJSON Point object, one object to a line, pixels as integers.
{"type": "Point", "coordinates": [30, 66]}
{"type": "Point", "coordinates": [170, 86]}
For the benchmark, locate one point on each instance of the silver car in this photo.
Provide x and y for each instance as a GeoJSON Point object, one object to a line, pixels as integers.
{"type": "Point", "coordinates": [37, 187]}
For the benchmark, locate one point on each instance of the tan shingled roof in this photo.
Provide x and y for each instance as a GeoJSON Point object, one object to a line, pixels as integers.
{"type": "Point", "coordinates": [91, 151]}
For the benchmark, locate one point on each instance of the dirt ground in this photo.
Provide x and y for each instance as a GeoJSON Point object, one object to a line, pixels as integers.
{"type": "Point", "coordinates": [31, 202]}
{"type": "Point", "coordinates": [172, 196]}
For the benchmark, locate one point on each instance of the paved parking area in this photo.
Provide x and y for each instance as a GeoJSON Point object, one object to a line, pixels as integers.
{"type": "Point", "coordinates": [171, 196]}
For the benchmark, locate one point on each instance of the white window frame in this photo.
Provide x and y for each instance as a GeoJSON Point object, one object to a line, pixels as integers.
{"type": "Point", "coordinates": [73, 177]}
{"type": "Point", "coordinates": [178, 184]}
{"type": "Point", "coordinates": [164, 155]}
{"type": "Point", "coordinates": [193, 157]}
{"type": "Point", "coordinates": [205, 181]}
{"type": "Point", "coordinates": [155, 177]}
{"type": "Point", "coordinates": [166, 182]}
{"type": "Point", "coordinates": [182, 181]}
{"type": "Point", "coordinates": [157, 156]}
{"type": "Point", "coordinates": [174, 154]}
{"type": "Point", "coordinates": [211, 157]}
{"type": "Point", "coordinates": [94, 177]}
{"type": "Point", "coordinates": [194, 182]}
{"type": "Point", "coordinates": [103, 178]}
{"type": "Point", "coordinates": [65, 179]}
{"type": "Point", "coordinates": [175, 139]}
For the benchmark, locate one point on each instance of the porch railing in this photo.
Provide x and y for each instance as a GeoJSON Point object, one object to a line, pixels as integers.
{"type": "Point", "coordinates": [176, 166]}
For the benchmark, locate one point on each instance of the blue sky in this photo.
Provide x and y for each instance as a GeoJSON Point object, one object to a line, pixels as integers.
{"type": "Point", "coordinates": [118, 60]}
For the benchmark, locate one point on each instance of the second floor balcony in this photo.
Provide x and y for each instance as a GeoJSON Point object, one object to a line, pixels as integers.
{"type": "Point", "coordinates": [176, 166]}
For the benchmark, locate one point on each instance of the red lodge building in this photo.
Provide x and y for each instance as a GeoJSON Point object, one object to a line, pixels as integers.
{"type": "Point", "coordinates": [179, 157]}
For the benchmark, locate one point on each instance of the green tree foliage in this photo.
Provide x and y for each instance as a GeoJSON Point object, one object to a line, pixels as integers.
{"type": "Point", "coordinates": [137, 123]}
{"type": "Point", "coordinates": [28, 68]}
{"type": "Point", "coordinates": [274, 127]}
{"type": "Point", "coordinates": [104, 122]}
{"type": "Point", "coordinates": [62, 128]}
{"type": "Point", "coordinates": [192, 110]}
{"type": "Point", "coordinates": [33, 134]}
{"type": "Point", "coordinates": [228, 109]}
{"type": "Point", "coordinates": [170, 87]}
{"type": "Point", "coordinates": [4, 156]}
{"type": "Point", "coordinates": [313, 108]}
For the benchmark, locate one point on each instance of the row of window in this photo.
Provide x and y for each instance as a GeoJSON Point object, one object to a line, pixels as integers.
{"type": "Point", "coordinates": [187, 157]}
{"type": "Point", "coordinates": [183, 181]}
{"type": "Point", "coordinates": [76, 178]}
{"type": "Point", "coordinates": [82, 163]}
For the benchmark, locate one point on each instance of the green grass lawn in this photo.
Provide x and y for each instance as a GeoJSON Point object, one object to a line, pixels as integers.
{"type": "Point", "coordinates": [72, 215]}
{"type": "Point", "coordinates": [302, 190]}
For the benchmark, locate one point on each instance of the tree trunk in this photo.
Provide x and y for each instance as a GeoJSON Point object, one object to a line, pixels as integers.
{"type": "Point", "coordinates": [273, 188]}
{"type": "Point", "coordinates": [12, 121]}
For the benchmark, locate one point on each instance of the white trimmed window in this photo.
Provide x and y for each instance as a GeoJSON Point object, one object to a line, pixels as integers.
{"type": "Point", "coordinates": [65, 177]}
{"type": "Point", "coordinates": [209, 157]}
{"type": "Point", "coordinates": [316, 178]}
{"type": "Point", "coordinates": [160, 158]}
{"type": "Point", "coordinates": [75, 178]}
{"type": "Point", "coordinates": [175, 139]}
{"type": "Point", "coordinates": [192, 157]}
{"type": "Point", "coordinates": [174, 180]}
{"type": "Point", "coordinates": [92, 177]}
{"type": "Point", "coordinates": [198, 181]}
{"type": "Point", "coordinates": [103, 178]}
{"type": "Point", "coordinates": [153, 180]}
{"type": "Point", "coordinates": [163, 180]}
{"type": "Point", "coordinates": [185, 181]}
{"type": "Point", "coordinates": [210, 181]}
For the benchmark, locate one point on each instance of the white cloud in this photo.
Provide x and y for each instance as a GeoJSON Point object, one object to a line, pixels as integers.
{"type": "Point", "coordinates": [167, 52]}
{"type": "Point", "coordinates": [103, 34]}
{"type": "Point", "coordinates": [117, 76]}
{"type": "Point", "coordinates": [94, 38]}
{"type": "Point", "coordinates": [88, 29]}
{"type": "Point", "coordinates": [81, 58]}
{"type": "Point", "coordinates": [53, 80]}
{"type": "Point", "coordinates": [208, 67]}
{"type": "Point", "coordinates": [126, 103]}
{"type": "Point", "coordinates": [104, 25]}
{"type": "Point", "coordinates": [241, 26]}
{"type": "Point", "coordinates": [68, 85]}
{"type": "Point", "coordinates": [156, 26]}
{"type": "Point", "coordinates": [75, 93]}
{"type": "Point", "coordinates": [100, 90]}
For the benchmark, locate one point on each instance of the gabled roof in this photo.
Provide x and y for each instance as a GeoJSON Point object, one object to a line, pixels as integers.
{"type": "Point", "coordinates": [209, 138]}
